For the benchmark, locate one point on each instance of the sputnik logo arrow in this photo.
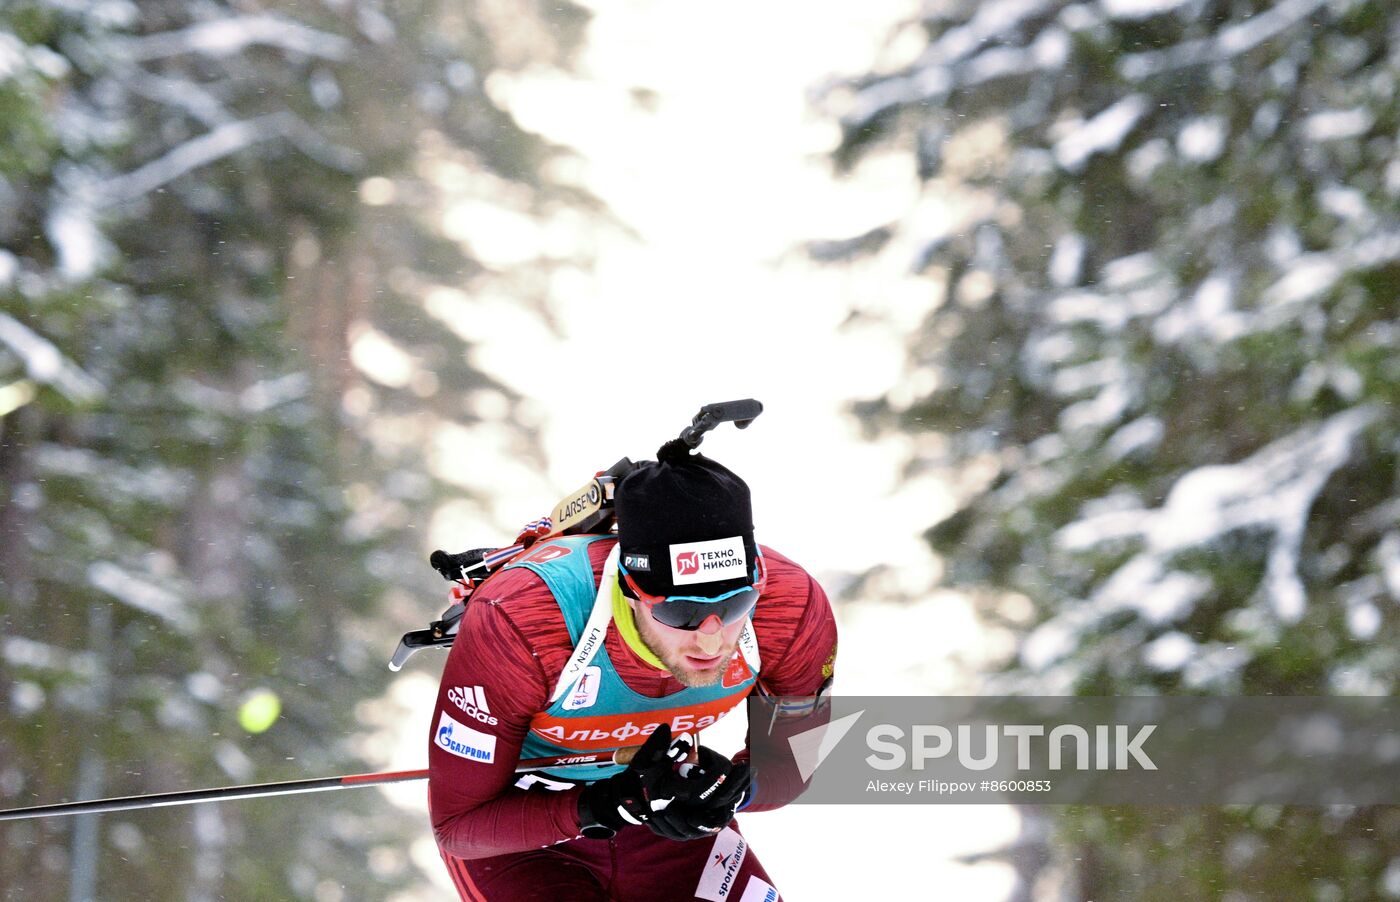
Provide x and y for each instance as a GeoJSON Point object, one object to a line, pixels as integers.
{"type": "Point", "coordinates": [810, 748]}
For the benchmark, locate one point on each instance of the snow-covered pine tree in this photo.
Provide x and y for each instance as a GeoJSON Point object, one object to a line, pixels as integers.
{"type": "Point", "coordinates": [1160, 365]}
{"type": "Point", "coordinates": [221, 255]}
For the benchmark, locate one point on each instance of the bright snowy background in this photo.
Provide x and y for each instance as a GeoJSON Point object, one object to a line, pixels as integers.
{"type": "Point", "coordinates": [713, 299]}
{"type": "Point", "coordinates": [1076, 322]}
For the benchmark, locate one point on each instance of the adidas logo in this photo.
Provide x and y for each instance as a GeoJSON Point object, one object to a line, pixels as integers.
{"type": "Point", "coordinates": [472, 701]}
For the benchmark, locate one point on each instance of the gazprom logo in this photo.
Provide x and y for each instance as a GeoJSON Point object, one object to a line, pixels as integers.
{"type": "Point", "coordinates": [463, 741]}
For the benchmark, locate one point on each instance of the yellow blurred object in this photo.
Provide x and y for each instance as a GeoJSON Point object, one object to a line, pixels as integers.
{"type": "Point", "coordinates": [259, 711]}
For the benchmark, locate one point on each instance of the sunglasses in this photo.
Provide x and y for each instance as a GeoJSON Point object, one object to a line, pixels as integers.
{"type": "Point", "coordinates": [687, 612]}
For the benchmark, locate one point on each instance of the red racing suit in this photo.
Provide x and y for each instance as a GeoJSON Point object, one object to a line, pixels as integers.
{"type": "Point", "coordinates": [501, 842]}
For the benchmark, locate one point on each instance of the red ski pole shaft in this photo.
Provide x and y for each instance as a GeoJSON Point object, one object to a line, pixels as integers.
{"type": "Point", "coordinates": [289, 787]}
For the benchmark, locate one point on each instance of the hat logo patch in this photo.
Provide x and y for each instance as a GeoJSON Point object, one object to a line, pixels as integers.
{"type": "Point", "coordinates": [708, 562]}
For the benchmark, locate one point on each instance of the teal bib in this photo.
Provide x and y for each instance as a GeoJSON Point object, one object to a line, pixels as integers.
{"type": "Point", "coordinates": [591, 709]}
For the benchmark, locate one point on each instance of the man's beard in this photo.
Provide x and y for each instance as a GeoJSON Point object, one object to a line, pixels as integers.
{"type": "Point", "coordinates": [685, 675]}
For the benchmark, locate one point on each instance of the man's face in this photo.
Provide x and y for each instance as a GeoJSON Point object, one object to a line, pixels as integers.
{"type": "Point", "coordinates": [694, 657]}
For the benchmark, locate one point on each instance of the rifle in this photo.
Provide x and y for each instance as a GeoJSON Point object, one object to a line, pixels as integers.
{"type": "Point", "coordinates": [589, 510]}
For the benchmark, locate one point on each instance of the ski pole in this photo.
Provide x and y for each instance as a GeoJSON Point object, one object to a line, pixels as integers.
{"type": "Point", "coordinates": [289, 787]}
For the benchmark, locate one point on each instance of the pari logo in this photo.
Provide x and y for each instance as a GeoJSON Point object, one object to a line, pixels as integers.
{"type": "Point", "coordinates": [472, 701]}
{"type": "Point", "coordinates": [464, 742]}
{"type": "Point", "coordinates": [709, 562]}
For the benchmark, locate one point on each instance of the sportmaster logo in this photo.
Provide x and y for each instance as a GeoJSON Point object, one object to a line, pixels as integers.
{"type": "Point", "coordinates": [472, 701]}
{"type": "Point", "coordinates": [722, 870]}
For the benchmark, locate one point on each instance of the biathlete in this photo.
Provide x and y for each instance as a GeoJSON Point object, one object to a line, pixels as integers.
{"type": "Point", "coordinates": [601, 642]}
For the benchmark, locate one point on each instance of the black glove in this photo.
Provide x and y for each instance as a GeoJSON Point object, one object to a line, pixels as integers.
{"type": "Point", "coordinates": [711, 791]}
{"type": "Point", "coordinates": [635, 795]}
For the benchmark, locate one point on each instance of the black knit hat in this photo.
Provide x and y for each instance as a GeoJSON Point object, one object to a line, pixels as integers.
{"type": "Point", "coordinates": [685, 525]}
